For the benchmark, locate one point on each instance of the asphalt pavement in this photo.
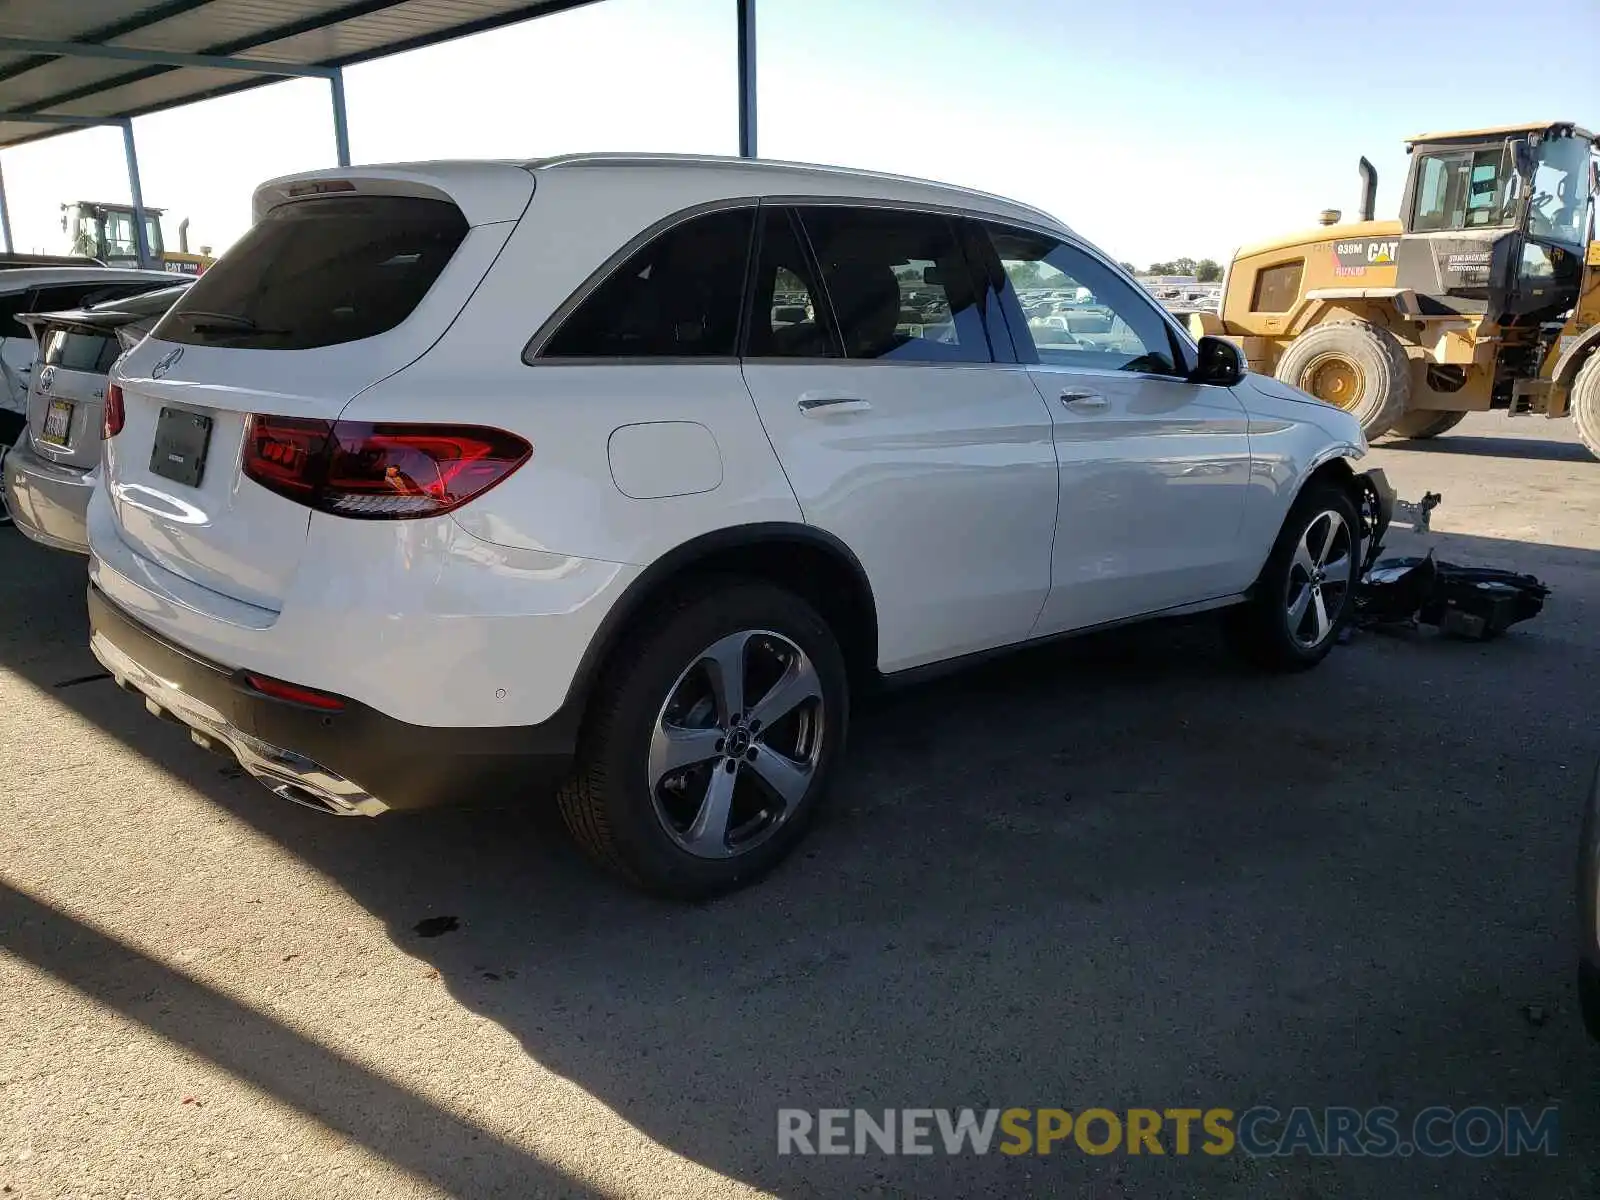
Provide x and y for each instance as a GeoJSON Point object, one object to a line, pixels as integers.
{"type": "Point", "coordinates": [1124, 872]}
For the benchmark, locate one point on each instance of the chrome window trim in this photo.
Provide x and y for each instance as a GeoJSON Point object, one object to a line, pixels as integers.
{"type": "Point", "coordinates": [531, 352]}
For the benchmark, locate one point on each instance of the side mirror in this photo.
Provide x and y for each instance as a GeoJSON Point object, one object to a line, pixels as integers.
{"type": "Point", "coordinates": [1221, 362]}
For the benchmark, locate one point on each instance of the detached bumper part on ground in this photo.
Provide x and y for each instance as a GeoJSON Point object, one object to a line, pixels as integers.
{"type": "Point", "coordinates": [352, 762]}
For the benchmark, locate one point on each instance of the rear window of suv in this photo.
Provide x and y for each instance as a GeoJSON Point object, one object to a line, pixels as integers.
{"type": "Point", "coordinates": [320, 273]}
{"type": "Point", "coordinates": [75, 350]}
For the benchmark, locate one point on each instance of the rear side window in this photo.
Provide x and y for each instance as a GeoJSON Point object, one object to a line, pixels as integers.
{"type": "Point", "coordinates": [901, 288]}
{"type": "Point", "coordinates": [75, 351]}
{"type": "Point", "coordinates": [320, 272]}
{"type": "Point", "coordinates": [678, 297]}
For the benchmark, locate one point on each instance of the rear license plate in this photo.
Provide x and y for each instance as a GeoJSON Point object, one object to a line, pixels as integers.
{"type": "Point", "coordinates": [57, 423]}
{"type": "Point", "coordinates": [180, 449]}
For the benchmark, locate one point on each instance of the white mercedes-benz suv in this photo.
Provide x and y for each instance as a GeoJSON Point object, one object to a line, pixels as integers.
{"type": "Point", "coordinates": [620, 475]}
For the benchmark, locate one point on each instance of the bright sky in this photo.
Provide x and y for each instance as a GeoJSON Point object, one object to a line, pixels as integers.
{"type": "Point", "coordinates": [1156, 129]}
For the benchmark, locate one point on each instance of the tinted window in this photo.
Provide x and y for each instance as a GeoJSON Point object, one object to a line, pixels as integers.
{"type": "Point", "coordinates": [1278, 287]}
{"type": "Point", "coordinates": [1079, 312]}
{"type": "Point", "coordinates": [900, 287]}
{"type": "Point", "coordinates": [320, 273]}
{"type": "Point", "coordinates": [789, 316]}
{"type": "Point", "coordinates": [75, 351]}
{"type": "Point", "coordinates": [678, 297]}
{"type": "Point", "coordinates": [62, 296]}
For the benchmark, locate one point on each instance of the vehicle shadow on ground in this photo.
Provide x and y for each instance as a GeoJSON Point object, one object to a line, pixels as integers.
{"type": "Point", "coordinates": [1533, 449]}
{"type": "Point", "coordinates": [1118, 872]}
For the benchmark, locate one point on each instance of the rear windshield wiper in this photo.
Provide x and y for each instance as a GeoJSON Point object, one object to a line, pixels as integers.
{"type": "Point", "coordinates": [220, 322]}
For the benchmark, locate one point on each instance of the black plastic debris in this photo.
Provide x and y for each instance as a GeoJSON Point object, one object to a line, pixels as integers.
{"type": "Point", "coordinates": [1469, 602]}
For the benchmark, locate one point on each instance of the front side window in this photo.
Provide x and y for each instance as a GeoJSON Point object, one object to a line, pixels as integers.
{"type": "Point", "coordinates": [1079, 312]}
{"type": "Point", "coordinates": [1463, 189]}
{"type": "Point", "coordinates": [678, 297]}
{"type": "Point", "coordinates": [900, 287]}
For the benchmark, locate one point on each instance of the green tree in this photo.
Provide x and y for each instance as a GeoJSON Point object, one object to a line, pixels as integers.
{"type": "Point", "coordinates": [1161, 268]}
{"type": "Point", "coordinates": [1129, 268]}
{"type": "Point", "coordinates": [1026, 275]}
{"type": "Point", "coordinates": [1208, 270]}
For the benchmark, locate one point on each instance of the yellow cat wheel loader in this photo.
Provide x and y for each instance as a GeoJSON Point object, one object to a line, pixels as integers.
{"type": "Point", "coordinates": [107, 232]}
{"type": "Point", "coordinates": [1485, 294]}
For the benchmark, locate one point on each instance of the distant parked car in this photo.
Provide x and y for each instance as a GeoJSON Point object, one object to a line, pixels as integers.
{"type": "Point", "coordinates": [457, 479]}
{"type": "Point", "coordinates": [49, 289]}
{"type": "Point", "coordinates": [50, 472]}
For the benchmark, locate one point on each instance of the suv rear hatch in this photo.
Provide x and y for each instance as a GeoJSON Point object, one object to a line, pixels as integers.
{"type": "Point", "coordinates": [345, 279]}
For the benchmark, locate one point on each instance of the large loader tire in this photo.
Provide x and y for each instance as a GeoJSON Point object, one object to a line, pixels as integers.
{"type": "Point", "coordinates": [1425, 423]}
{"type": "Point", "coordinates": [1586, 404]}
{"type": "Point", "coordinates": [1355, 366]}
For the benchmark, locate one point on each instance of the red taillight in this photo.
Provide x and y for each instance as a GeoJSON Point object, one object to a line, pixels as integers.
{"type": "Point", "coordinates": [378, 472]}
{"type": "Point", "coordinates": [114, 415]}
{"type": "Point", "coordinates": [294, 693]}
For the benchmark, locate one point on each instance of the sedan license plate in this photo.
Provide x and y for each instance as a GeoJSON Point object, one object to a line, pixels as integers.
{"type": "Point", "coordinates": [57, 423]}
{"type": "Point", "coordinates": [180, 450]}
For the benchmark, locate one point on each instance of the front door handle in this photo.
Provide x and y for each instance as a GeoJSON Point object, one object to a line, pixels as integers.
{"type": "Point", "coordinates": [813, 405]}
{"type": "Point", "coordinates": [1083, 401]}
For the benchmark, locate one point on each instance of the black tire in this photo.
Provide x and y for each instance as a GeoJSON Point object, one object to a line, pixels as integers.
{"type": "Point", "coordinates": [1263, 629]}
{"type": "Point", "coordinates": [1375, 382]}
{"type": "Point", "coordinates": [1425, 423]}
{"type": "Point", "coordinates": [641, 828]}
{"type": "Point", "coordinates": [1585, 404]}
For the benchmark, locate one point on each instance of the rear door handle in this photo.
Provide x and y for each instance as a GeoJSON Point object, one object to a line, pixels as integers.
{"type": "Point", "coordinates": [1083, 401]}
{"type": "Point", "coordinates": [812, 405]}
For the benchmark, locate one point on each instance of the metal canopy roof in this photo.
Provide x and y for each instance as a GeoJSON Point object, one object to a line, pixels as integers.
{"type": "Point", "coordinates": [103, 61]}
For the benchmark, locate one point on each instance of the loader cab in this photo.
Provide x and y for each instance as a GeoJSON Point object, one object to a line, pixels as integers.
{"type": "Point", "coordinates": [1495, 222]}
{"type": "Point", "coordinates": [107, 232]}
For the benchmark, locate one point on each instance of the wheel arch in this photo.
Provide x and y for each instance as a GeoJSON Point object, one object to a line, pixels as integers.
{"type": "Point", "coordinates": [1572, 359]}
{"type": "Point", "coordinates": [809, 561]}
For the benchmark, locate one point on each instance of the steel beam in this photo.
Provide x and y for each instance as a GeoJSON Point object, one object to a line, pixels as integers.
{"type": "Point", "coordinates": [159, 58]}
{"type": "Point", "coordinates": [341, 127]}
{"type": "Point", "coordinates": [29, 118]}
{"type": "Point", "coordinates": [140, 239]}
{"type": "Point", "coordinates": [5, 217]}
{"type": "Point", "coordinates": [747, 78]}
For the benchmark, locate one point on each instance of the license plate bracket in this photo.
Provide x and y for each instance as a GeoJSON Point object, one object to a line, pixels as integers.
{"type": "Point", "coordinates": [181, 438]}
{"type": "Point", "coordinates": [57, 429]}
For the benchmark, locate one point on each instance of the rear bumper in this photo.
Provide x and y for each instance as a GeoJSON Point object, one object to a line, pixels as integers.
{"type": "Point", "coordinates": [49, 502]}
{"type": "Point", "coordinates": [356, 762]}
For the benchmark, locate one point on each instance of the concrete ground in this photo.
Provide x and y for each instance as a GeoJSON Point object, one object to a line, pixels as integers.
{"type": "Point", "coordinates": [1125, 872]}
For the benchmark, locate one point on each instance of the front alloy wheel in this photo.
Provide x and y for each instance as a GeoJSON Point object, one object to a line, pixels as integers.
{"type": "Point", "coordinates": [1319, 579]}
{"type": "Point", "coordinates": [736, 745]}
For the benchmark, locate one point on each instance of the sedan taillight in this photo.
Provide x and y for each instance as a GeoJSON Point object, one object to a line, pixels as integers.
{"type": "Point", "coordinates": [378, 472]}
{"type": "Point", "coordinates": [114, 413]}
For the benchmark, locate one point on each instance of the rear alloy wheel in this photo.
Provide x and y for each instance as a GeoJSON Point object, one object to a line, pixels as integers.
{"type": "Point", "coordinates": [1305, 593]}
{"type": "Point", "coordinates": [725, 777]}
{"type": "Point", "coordinates": [1425, 423]}
{"type": "Point", "coordinates": [1353, 365]}
{"type": "Point", "coordinates": [710, 741]}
